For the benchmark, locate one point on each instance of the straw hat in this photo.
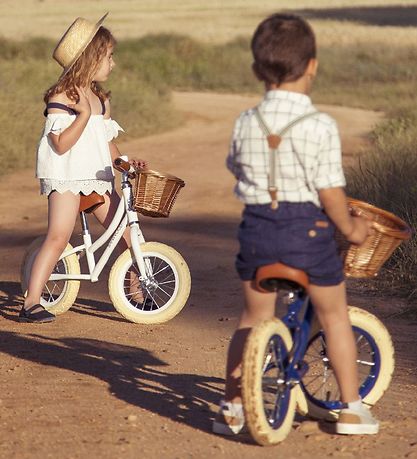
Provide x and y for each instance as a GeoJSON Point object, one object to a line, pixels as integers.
{"type": "Point", "coordinates": [74, 41]}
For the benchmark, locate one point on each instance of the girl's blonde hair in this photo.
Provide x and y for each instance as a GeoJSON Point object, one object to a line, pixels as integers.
{"type": "Point", "coordinates": [82, 72]}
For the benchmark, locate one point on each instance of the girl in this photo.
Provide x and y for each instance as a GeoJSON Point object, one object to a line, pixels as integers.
{"type": "Point", "coordinates": [76, 150]}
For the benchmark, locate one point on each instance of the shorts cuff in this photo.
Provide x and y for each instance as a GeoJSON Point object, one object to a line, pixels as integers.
{"type": "Point", "coordinates": [328, 281]}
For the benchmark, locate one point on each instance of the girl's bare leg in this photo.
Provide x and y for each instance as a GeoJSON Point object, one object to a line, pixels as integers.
{"type": "Point", "coordinates": [331, 309]}
{"type": "Point", "coordinates": [62, 213]}
{"type": "Point", "coordinates": [258, 307]}
{"type": "Point", "coordinates": [104, 215]}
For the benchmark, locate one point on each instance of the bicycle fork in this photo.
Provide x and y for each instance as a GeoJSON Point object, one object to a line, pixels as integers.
{"type": "Point", "coordinates": [136, 236]}
{"type": "Point", "coordinates": [297, 367]}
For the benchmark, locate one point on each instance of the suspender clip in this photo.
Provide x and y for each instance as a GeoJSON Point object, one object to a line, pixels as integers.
{"type": "Point", "coordinates": [273, 141]}
{"type": "Point", "coordinates": [273, 192]}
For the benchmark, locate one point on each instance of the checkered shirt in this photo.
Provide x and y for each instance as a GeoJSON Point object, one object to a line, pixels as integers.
{"type": "Point", "coordinates": [308, 159]}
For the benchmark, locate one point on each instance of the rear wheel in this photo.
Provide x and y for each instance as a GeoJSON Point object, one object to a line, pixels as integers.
{"type": "Point", "coordinates": [268, 401]}
{"type": "Point", "coordinates": [58, 295]}
{"type": "Point", "coordinates": [375, 366]}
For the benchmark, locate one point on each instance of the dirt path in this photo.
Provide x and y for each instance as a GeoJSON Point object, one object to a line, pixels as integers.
{"type": "Point", "coordinates": [92, 385]}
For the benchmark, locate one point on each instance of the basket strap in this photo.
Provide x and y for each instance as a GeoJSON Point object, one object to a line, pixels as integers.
{"type": "Point", "coordinates": [274, 141]}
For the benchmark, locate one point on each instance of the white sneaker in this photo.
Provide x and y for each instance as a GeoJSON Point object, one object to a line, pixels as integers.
{"type": "Point", "coordinates": [230, 419]}
{"type": "Point", "coordinates": [356, 421]}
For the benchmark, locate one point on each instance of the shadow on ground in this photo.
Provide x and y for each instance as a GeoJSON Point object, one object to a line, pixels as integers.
{"type": "Point", "coordinates": [133, 375]}
{"type": "Point", "coordinates": [11, 300]}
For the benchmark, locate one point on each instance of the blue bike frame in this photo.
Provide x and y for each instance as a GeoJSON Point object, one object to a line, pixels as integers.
{"type": "Point", "coordinates": [298, 320]}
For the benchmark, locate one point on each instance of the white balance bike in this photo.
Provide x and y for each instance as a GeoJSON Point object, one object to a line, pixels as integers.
{"type": "Point", "coordinates": [148, 283]}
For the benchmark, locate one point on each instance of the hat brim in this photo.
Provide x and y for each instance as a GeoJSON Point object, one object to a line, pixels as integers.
{"type": "Point", "coordinates": [77, 56]}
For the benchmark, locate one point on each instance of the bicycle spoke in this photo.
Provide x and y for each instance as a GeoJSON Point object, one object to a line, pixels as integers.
{"type": "Point", "coordinates": [160, 288]}
{"type": "Point", "coordinates": [315, 377]}
{"type": "Point", "coordinates": [167, 282]}
{"type": "Point", "coordinates": [267, 361]}
{"type": "Point", "coordinates": [314, 359]}
{"type": "Point", "coordinates": [364, 362]}
{"type": "Point", "coordinates": [320, 381]}
{"type": "Point", "coordinates": [161, 270]}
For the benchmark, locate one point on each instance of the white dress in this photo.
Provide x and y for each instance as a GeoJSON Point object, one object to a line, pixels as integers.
{"type": "Point", "coordinates": [87, 166]}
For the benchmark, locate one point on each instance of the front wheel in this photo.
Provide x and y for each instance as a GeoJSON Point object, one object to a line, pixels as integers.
{"type": "Point", "coordinates": [375, 366]}
{"type": "Point", "coordinates": [57, 295]}
{"type": "Point", "coordinates": [268, 401]}
{"type": "Point", "coordinates": [163, 295]}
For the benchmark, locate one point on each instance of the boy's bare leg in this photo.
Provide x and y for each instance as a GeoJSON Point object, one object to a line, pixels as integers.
{"type": "Point", "coordinates": [62, 213]}
{"type": "Point", "coordinates": [331, 309]}
{"type": "Point", "coordinates": [258, 307]}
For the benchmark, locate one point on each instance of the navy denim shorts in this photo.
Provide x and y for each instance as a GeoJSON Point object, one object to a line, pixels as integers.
{"type": "Point", "coordinates": [297, 234]}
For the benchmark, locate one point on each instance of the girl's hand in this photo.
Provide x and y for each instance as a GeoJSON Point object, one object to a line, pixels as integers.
{"type": "Point", "coordinates": [138, 163]}
{"type": "Point", "coordinates": [83, 105]}
{"type": "Point", "coordinates": [362, 228]}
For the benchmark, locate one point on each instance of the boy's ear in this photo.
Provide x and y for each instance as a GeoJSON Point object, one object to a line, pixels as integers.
{"type": "Point", "coordinates": [312, 67]}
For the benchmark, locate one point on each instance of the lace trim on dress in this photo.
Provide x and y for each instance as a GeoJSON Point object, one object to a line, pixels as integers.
{"type": "Point", "coordinates": [75, 186]}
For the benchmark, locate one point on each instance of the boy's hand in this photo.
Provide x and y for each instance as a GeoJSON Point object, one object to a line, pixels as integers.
{"type": "Point", "coordinates": [362, 228]}
{"type": "Point", "coordinates": [83, 105]}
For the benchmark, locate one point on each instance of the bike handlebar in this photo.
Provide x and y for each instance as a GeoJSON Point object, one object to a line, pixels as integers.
{"type": "Point", "coordinates": [122, 165]}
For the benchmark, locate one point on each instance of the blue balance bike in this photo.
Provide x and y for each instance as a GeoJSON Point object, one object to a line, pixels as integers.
{"type": "Point", "coordinates": [285, 365]}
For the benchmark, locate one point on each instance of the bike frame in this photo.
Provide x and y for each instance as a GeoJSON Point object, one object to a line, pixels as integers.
{"type": "Point", "coordinates": [125, 216]}
{"type": "Point", "coordinates": [298, 320]}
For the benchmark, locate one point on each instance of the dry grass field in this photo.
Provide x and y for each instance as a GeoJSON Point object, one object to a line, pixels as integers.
{"type": "Point", "coordinates": [217, 21]}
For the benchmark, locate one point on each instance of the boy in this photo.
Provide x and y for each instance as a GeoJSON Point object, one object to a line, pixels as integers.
{"type": "Point", "coordinates": [299, 231]}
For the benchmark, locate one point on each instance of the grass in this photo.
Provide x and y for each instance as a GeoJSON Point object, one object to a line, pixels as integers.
{"type": "Point", "coordinates": [369, 77]}
{"type": "Point", "coordinates": [218, 21]}
{"type": "Point", "coordinates": [149, 67]}
{"type": "Point", "coordinates": [386, 177]}
{"type": "Point", "coordinates": [352, 73]}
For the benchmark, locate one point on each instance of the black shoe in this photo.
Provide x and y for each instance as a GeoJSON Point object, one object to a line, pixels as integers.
{"type": "Point", "coordinates": [35, 314]}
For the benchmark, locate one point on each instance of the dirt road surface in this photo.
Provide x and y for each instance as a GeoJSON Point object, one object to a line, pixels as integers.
{"type": "Point", "coordinates": [92, 385]}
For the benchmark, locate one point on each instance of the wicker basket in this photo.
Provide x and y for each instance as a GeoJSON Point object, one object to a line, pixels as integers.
{"type": "Point", "coordinates": [367, 259]}
{"type": "Point", "coordinates": [155, 193]}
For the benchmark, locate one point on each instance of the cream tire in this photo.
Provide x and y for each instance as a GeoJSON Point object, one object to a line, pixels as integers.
{"type": "Point", "coordinates": [57, 296]}
{"type": "Point", "coordinates": [253, 363]}
{"type": "Point", "coordinates": [176, 266]}
{"type": "Point", "coordinates": [372, 326]}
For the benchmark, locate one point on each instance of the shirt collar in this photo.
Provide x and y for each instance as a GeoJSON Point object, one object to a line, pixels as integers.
{"type": "Point", "coordinates": [275, 94]}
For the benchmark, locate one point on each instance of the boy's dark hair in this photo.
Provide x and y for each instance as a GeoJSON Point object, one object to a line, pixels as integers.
{"type": "Point", "coordinates": [282, 47]}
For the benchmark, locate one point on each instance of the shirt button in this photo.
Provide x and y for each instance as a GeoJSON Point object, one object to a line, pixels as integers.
{"type": "Point", "coordinates": [312, 233]}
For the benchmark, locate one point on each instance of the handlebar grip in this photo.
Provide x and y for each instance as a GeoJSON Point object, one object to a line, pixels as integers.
{"type": "Point", "coordinates": [120, 163]}
{"type": "Point", "coordinates": [122, 166]}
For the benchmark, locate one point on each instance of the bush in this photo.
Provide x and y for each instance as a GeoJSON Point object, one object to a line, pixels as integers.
{"type": "Point", "coordinates": [386, 177]}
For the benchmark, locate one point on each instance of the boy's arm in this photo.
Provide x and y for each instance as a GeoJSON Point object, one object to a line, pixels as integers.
{"type": "Point", "coordinates": [334, 202]}
{"type": "Point", "coordinates": [330, 182]}
{"type": "Point", "coordinates": [231, 162]}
